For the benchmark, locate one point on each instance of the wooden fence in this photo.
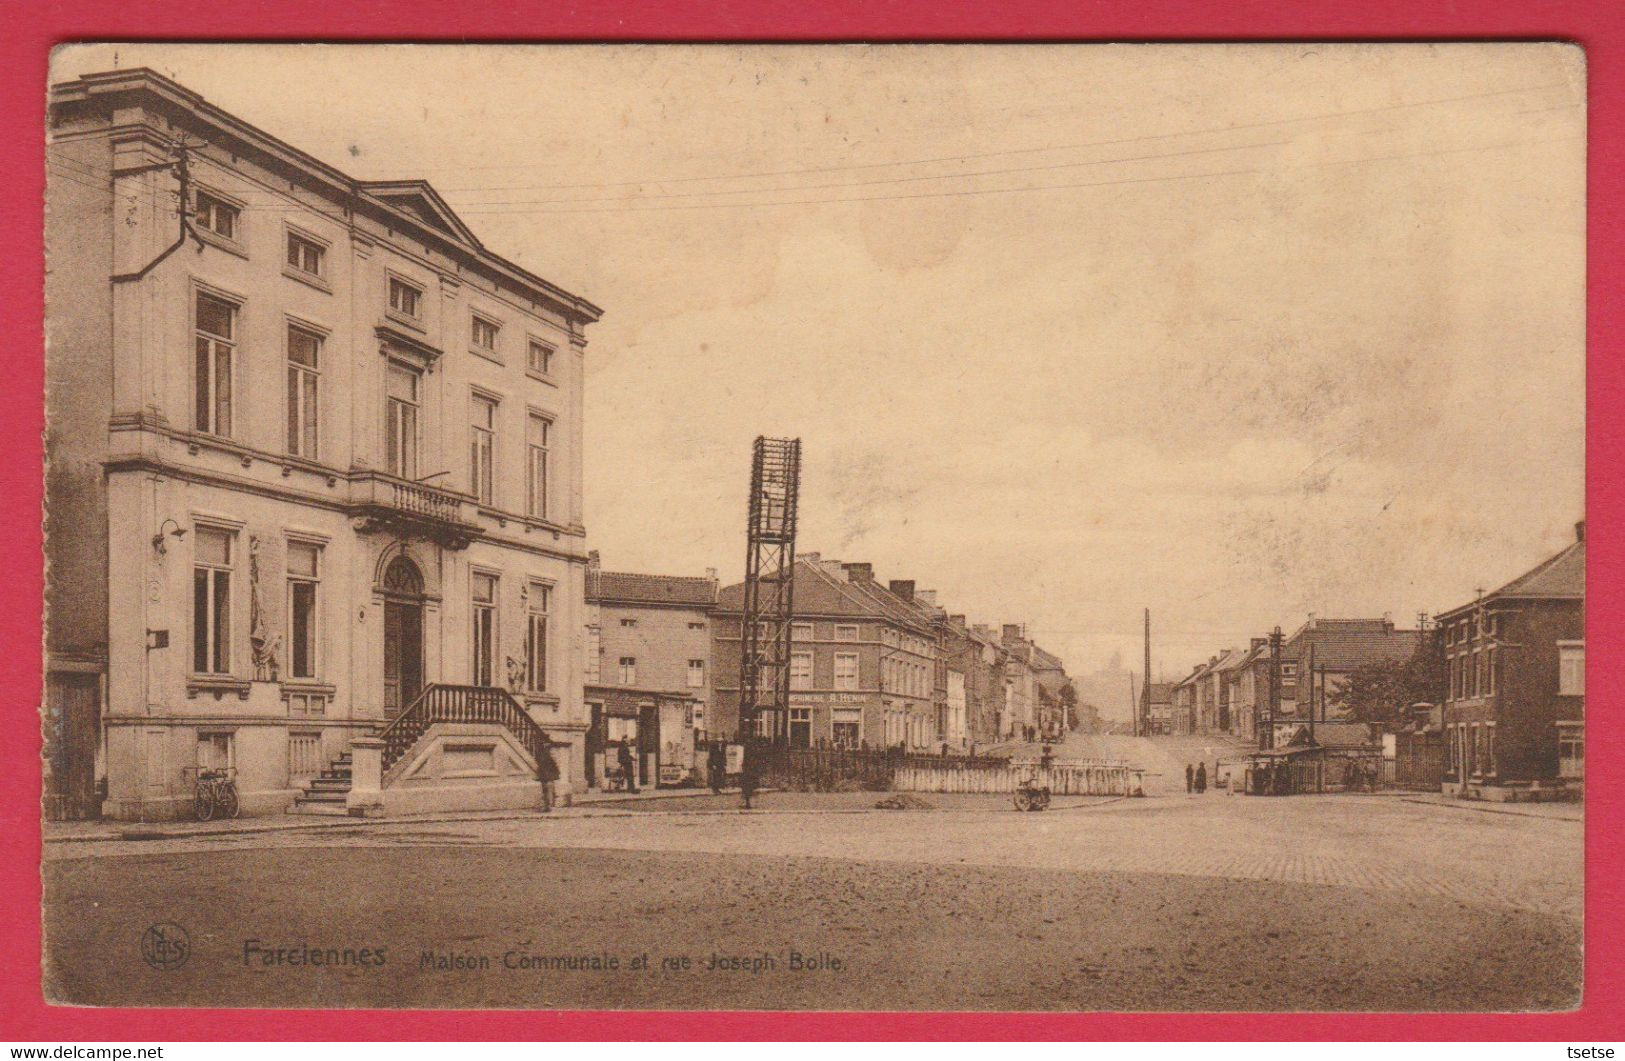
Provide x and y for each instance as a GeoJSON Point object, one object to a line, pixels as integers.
{"type": "Point", "coordinates": [1418, 762]}
{"type": "Point", "coordinates": [834, 769]}
{"type": "Point", "coordinates": [1063, 778]}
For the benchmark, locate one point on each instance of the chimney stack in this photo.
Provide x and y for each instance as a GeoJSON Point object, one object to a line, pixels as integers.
{"type": "Point", "coordinates": [927, 596]}
{"type": "Point", "coordinates": [1012, 632]}
{"type": "Point", "coordinates": [1580, 531]}
{"type": "Point", "coordinates": [957, 620]}
{"type": "Point", "coordinates": [903, 588]}
{"type": "Point", "coordinates": [859, 572]}
{"type": "Point", "coordinates": [711, 573]}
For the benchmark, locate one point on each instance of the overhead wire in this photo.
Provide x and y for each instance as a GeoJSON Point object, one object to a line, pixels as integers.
{"type": "Point", "coordinates": [1268, 123]}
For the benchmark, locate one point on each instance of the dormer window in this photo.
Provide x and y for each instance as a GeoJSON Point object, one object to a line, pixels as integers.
{"type": "Point", "coordinates": [405, 299]}
{"type": "Point", "coordinates": [216, 215]}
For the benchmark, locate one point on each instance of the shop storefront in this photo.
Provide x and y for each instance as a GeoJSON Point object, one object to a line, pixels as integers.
{"type": "Point", "coordinates": [658, 731]}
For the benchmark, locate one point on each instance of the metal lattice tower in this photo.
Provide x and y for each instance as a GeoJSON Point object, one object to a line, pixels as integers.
{"type": "Point", "coordinates": [770, 559]}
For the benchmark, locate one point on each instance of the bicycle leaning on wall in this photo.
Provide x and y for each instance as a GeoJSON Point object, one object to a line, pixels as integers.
{"type": "Point", "coordinates": [214, 793]}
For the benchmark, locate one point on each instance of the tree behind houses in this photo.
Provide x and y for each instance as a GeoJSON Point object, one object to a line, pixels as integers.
{"type": "Point", "coordinates": [1383, 693]}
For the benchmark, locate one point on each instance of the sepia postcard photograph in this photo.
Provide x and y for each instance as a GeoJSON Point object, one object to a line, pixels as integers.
{"type": "Point", "coordinates": [821, 527]}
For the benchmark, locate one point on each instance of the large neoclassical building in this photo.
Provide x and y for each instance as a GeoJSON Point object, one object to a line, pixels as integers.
{"type": "Point", "coordinates": [314, 465]}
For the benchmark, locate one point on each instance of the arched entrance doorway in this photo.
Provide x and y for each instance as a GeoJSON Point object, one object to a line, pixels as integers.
{"type": "Point", "coordinates": [403, 635]}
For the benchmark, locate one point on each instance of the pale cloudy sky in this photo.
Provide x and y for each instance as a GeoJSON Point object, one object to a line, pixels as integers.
{"type": "Point", "coordinates": [1233, 333]}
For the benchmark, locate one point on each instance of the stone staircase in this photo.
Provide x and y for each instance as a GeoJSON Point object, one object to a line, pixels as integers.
{"type": "Point", "coordinates": [326, 793]}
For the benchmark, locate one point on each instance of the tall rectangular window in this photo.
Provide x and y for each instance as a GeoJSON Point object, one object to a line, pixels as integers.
{"type": "Point", "coordinates": [540, 601]}
{"type": "Point", "coordinates": [304, 381]}
{"type": "Point", "coordinates": [846, 670]}
{"type": "Point", "coordinates": [629, 670]}
{"type": "Point", "coordinates": [484, 615]}
{"type": "Point", "coordinates": [405, 299]}
{"type": "Point", "coordinates": [696, 674]}
{"type": "Point", "coordinates": [215, 346]}
{"type": "Point", "coordinates": [801, 670]}
{"type": "Point", "coordinates": [401, 410]}
{"type": "Point", "coordinates": [537, 430]}
{"type": "Point", "coordinates": [211, 601]}
{"type": "Point", "coordinates": [845, 726]}
{"type": "Point", "coordinates": [304, 585]}
{"type": "Point", "coordinates": [214, 751]}
{"type": "Point", "coordinates": [844, 632]}
{"type": "Point", "coordinates": [216, 215]}
{"type": "Point", "coordinates": [1571, 669]}
{"type": "Point", "coordinates": [482, 333]}
{"type": "Point", "coordinates": [306, 255]}
{"type": "Point", "coordinates": [482, 449]}
{"type": "Point", "coordinates": [540, 358]}
{"type": "Point", "coordinates": [801, 727]}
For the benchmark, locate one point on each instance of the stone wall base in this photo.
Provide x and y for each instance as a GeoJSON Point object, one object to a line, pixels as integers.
{"type": "Point", "coordinates": [1549, 791]}
{"type": "Point", "coordinates": [436, 799]}
{"type": "Point", "coordinates": [179, 808]}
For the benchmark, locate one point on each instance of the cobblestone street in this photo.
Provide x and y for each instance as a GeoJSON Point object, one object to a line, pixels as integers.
{"type": "Point", "coordinates": [1174, 902]}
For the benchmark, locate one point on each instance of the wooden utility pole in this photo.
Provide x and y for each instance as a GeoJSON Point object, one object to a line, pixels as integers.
{"type": "Point", "coordinates": [1311, 678]}
{"type": "Point", "coordinates": [1266, 732]}
{"type": "Point", "coordinates": [1145, 678]}
{"type": "Point", "coordinates": [1134, 703]}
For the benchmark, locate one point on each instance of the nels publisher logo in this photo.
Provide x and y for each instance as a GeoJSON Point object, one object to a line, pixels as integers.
{"type": "Point", "coordinates": [166, 945]}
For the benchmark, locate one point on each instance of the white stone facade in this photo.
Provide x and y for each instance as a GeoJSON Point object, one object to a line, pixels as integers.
{"type": "Point", "coordinates": [310, 472]}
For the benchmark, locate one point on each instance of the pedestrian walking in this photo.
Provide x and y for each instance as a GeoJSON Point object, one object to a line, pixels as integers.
{"type": "Point", "coordinates": [747, 777]}
{"type": "Point", "coordinates": [1190, 778]}
{"type": "Point", "coordinates": [628, 765]}
{"type": "Point", "coordinates": [717, 766]}
{"type": "Point", "coordinates": [1201, 778]}
{"type": "Point", "coordinates": [548, 771]}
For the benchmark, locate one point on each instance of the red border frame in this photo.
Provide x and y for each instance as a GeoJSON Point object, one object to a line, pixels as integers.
{"type": "Point", "coordinates": [33, 28]}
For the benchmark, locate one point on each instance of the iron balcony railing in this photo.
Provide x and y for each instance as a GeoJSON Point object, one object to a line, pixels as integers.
{"type": "Point", "coordinates": [484, 704]}
{"type": "Point", "coordinates": [388, 501]}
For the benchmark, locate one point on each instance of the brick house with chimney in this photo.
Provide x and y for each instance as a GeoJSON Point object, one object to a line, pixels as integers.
{"type": "Point", "coordinates": [863, 664]}
{"type": "Point", "coordinates": [1336, 648]}
{"type": "Point", "coordinates": [1157, 708]}
{"type": "Point", "coordinates": [1020, 683]}
{"type": "Point", "coordinates": [1514, 710]}
{"type": "Point", "coordinates": [648, 672]}
{"type": "Point", "coordinates": [979, 659]}
{"type": "Point", "coordinates": [1250, 690]}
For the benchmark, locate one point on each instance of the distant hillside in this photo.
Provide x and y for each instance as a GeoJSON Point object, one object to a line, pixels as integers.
{"type": "Point", "coordinates": [1108, 689]}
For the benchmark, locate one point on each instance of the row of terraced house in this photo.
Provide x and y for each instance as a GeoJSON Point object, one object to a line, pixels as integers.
{"type": "Point", "coordinates": [872, 664]}
{"type": "Point", "coordinates": [1502, 716]}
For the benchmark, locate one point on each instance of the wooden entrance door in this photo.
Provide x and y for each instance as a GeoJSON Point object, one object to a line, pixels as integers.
{"type": "Point", "coordinates": [73, 703]}
{"type": "Point", "coordinates": [403, 635]}
{"type": "Point", "coordinates": [403, 654]}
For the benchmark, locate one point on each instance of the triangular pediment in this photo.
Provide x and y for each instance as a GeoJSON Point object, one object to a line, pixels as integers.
{"type": "Point", "coordinates": [419, 199]}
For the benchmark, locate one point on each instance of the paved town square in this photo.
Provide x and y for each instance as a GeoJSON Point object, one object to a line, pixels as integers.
{"type": "Point", "coordinates": [1359, 902]}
